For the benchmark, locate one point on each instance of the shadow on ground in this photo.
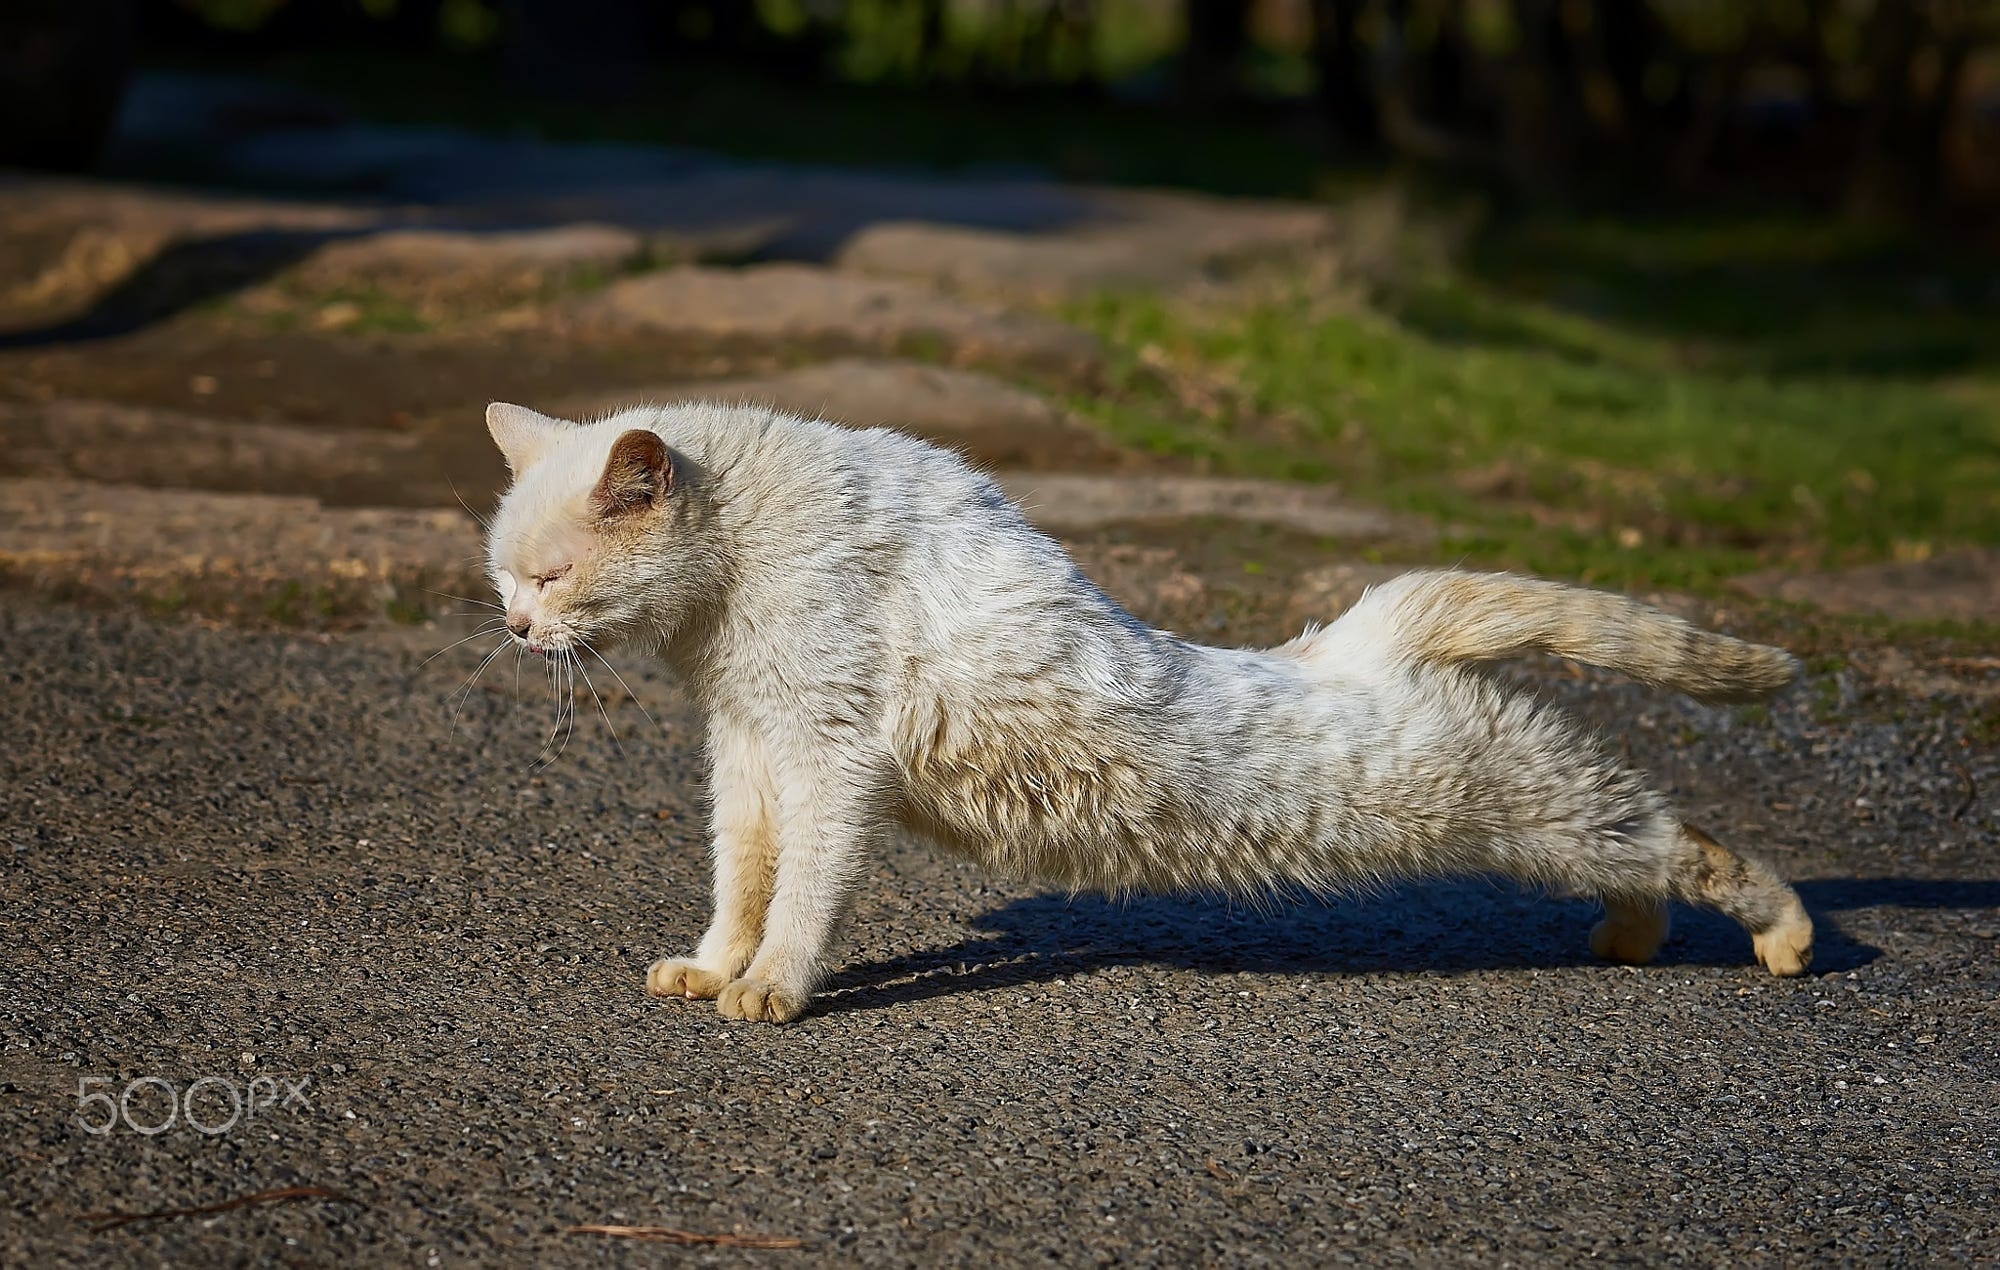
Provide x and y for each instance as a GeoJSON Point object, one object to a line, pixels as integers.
{"type": "Point", "coordinates": [1854, 303]}
{"type": "Point", "coordinates": [1442, 928]}
{"type": "Point", "coordinates": [182, 276]}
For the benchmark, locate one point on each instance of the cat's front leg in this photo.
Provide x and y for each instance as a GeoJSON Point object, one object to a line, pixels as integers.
{"type": "Point", "coordinates": [745, 824]}
{"type": "Point", "coordinates": [833, 813]}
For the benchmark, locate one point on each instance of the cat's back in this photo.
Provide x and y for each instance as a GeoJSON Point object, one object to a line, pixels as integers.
{"type": "Point", "coordinates": [904, 540]}
{"type": "Point", "coordinates": [781, 470]}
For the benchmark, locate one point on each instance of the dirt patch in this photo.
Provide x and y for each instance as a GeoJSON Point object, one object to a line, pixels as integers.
{"type": "Point", "coordinates": [425, 383]}
{"type": "Point", "coordinates": [994, 423]}
{"type": "Point", "coordinates": [1323, 594]}
{"type": "Point", "coordinates": [1975, 678]}
{"type": "Point", "coordinates": [1959, 586]}
{"type": "Point", "coordinates": [803, 304]}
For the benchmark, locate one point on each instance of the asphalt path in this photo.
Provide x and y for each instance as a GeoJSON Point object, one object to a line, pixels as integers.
{"type": "Point", "coordinates": [298, 876]}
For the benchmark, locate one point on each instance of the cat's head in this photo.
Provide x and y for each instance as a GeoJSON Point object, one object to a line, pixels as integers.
{"type": "Point", "coordinates": [598, 540]}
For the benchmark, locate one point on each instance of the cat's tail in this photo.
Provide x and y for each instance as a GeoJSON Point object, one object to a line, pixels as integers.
{"type": "Point", "coordinates": [1450, 617]}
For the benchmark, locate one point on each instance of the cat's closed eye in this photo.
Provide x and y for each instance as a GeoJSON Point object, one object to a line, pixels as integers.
{"type": "Point", "coordinates": [542, 580]}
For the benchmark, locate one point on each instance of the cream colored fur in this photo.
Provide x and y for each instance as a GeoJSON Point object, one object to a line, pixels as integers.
{"type": "Point", "coordinates": [880, 641]}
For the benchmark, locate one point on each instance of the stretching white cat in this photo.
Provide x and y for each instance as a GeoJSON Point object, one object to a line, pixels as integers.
{"type": "Point", "coordinates": [880, 640]}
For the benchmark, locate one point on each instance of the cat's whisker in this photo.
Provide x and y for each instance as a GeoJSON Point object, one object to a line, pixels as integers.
{"type": "Point", "coordinates": [483, 523]}
{"type": "Point", "coordinates": [466, 599]}
{"type": "Point", "coordinates": [548, 682]}
{"type": "Point", "coordinates": [569, 701]}
{"type": "Point", "coordinates": [602, 713]}
{"type": "Point", "coordinates": [632, 696]}
{"type": "Point", "coordinates": [558, 738]}
{"type": "Point", "coordinates": [465, 688]}
{"type": "Point", "coordinates": [464, 694]}
{"type": "Point", "coordinates": [493, 628]}
{"type": "Point", "coordinates": [546, 758]}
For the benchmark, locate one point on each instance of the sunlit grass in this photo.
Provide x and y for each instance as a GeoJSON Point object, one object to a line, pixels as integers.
{"type": "Point", "coordinates": [1777, 405]}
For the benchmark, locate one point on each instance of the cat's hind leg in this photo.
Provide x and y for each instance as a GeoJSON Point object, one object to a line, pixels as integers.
{"type": "Point", "coordinates": [1713, 876]}
{"type": "Point", "coordinates": [1541, 802]}
{"type": "Point", "coordinates": [1631, 932]}
{"type": "Point", "coordinates": [1701, 871]}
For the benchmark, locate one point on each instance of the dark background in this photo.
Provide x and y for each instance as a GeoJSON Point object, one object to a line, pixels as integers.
{"type": "Point", "coordinates": [1882, 110]}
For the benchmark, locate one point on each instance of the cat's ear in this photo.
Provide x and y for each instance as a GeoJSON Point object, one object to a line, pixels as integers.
{"type": "Point", "coordinates": [639, 474]}
{"type": "Point", "coordinates": [523, 435]}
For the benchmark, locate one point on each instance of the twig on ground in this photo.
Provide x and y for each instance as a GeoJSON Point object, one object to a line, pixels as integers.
{"type": "Point", "coordinates": [1971, 790]}
{"type": "Point", "coordinates": [669, 1235]}
{"type": "Point", "coordinates": [283, 1194]}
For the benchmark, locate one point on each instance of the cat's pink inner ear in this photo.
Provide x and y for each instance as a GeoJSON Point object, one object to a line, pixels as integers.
{"type": "Point", "coordinates": [523, 435]}
{"type": "Point", "coordinates": [638, 474]}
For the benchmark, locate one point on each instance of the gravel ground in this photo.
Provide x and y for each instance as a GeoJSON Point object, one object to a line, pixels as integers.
{"type": "Point", "coordinates": [241, 856]}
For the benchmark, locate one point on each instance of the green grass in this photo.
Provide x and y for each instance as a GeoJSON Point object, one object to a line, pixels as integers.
{"type": "Point", "coordinates": [374, 311]}
{"type": "Point", "coordinates": [1666, 405]}
{"type": "Point", "coordinates": [406, 613]}
{"type": "Point", "coordinates": [166, 603]}
{"type": "Point", "coordinates": [297, 604]}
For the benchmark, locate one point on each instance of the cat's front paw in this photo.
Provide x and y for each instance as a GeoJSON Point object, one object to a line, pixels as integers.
{"type": "Point", "coordinates": [760, 1002]}
{"type": "Point", "coordinates": [677, 977]}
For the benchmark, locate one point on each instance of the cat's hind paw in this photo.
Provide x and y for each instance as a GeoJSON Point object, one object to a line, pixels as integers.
{"type": "Point", "coordinates": [675, 977]}
{"type": "Point", "coordinates": [1630, 933]}
{"type": "Point", "coordinates": [760, 1002]}
{"type": "Point", "coordinates": [1786, 948]}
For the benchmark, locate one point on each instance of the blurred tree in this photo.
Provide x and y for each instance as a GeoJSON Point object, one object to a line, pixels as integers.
{"type": "Point", "coordinates": [585, 49]}
{"type": "Point", "coordinates": [1915, 73]}
{"type": "Point", "coordinates": [63, 67]}
{"type": "Point", "coordinates": [1347, 91]}
{"type": "Point", "coordinates": [1218, 34]}
{"type": "Point", "coordinates": [1843, 100]}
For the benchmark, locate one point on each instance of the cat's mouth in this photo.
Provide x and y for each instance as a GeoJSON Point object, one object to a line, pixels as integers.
{"type": "Point", "coordinates": [552, 643]}
{"type": "Point", "coordinates": [540, 645]}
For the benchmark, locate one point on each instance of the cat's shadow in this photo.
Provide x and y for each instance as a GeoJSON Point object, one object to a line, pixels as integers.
{"type": "Point", "coordinates": [1440, 927]}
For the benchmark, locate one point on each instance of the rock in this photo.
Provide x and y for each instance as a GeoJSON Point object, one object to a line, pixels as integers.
{"type": "Point", "coordinates": [68, 243]}
{"type": "Point", "coordinates": [1134, 239]}
{"type": "Point", "coordinates": [994, 423]}
{"type": "Point", "coordinates": [808, 305]}
{"type": "Point", "coordinates": [460, 260]}
{"type": "Point", "coordinates": [156, 211]}
{"type": "Point", "coordinates": [252, 556]}
{"type": "Point", "coordinates": [1071, 503]}
{"type": "Point", "coordinates": [65, 242]}
{"type": "Point", "coordinates": [136, 445]}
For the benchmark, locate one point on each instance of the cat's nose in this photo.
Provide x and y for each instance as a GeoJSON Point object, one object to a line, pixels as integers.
{"type": "Point", "coordinates": [519, 625]}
